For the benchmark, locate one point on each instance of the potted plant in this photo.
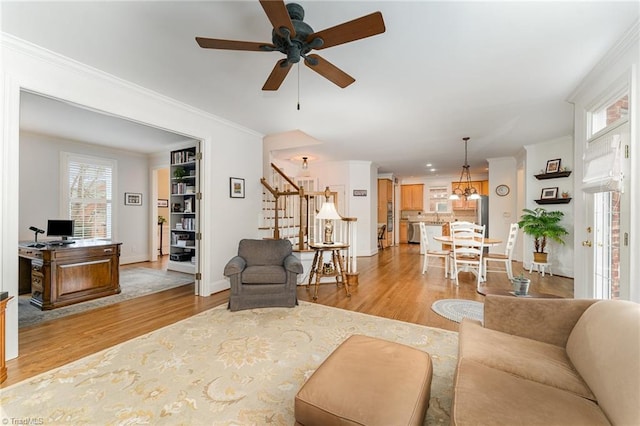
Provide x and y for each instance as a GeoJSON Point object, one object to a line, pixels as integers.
{"type": "Point", "coordinates": [179, 173]}
{"type": "Point", "coordinates": [521, 285]}
{"type": "Point", "coordinates": [542, 225]}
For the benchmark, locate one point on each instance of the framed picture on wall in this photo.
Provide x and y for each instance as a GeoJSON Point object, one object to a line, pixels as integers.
{"type": "Point", "coordinates": [163, 203]}
{"type": "Point", "coordinates": [132, 199]}
{"type": "Point", "coordinates": [236, 187]}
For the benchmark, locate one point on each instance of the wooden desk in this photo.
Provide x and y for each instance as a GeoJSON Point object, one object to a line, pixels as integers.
{"type": "Point", "coordinates": [3, 363]}
{"type": "Point", "coordinates": [64, 275]}
{"type": "Point", "coordinates": [337, 264]}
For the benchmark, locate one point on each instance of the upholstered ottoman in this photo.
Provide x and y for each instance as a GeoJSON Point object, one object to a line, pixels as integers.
{"type": "Point", "coordinates": [367, 381]}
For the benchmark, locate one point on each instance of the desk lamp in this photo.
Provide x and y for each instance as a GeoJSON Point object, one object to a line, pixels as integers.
{"type": "Point", "coordinates": [328, 213]}
{"type": "Point", "coordinates": [36, 232]}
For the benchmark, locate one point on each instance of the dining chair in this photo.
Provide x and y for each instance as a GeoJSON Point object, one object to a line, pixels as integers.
{"type": "Point", "coordinates": [468, 243]}
{"type": "Point", "coordinates": [382, 229]}
{"type": "Point", "coordinates": [442, 254]}
{"type": "Point", "coordinates": [503, 257]}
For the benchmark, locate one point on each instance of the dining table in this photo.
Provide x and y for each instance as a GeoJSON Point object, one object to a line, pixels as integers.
{"type": "Point", "coordinates": [488, 242]}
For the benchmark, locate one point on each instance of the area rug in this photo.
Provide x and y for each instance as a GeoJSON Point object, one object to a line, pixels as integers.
{"type": "Point", "coordinates": [218, 368]}
{"type": "Point", "coordinates": [456, 309]}
{"type": "Point", "coordinates": [134, 282]}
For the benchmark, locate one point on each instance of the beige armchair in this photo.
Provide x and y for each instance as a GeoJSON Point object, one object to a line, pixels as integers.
{"type": "Point", "coordinates": [263, 274]}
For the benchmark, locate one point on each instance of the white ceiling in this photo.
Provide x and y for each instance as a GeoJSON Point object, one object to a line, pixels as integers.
{"type": "Point", "coordinates": [498, 72]}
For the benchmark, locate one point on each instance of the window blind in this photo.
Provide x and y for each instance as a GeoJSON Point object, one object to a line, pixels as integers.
{"type": "Point", "coordinates": [90, 196]}
{"type": "Point", "coordinates": [603, 162]}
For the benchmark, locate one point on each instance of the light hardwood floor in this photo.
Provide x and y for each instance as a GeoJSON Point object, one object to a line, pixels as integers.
{"type": "Point", "coordinates": [390, 285]}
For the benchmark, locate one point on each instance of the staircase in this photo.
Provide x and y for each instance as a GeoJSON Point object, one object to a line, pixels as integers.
{"type": "Point", "coordinates": [289, 212]}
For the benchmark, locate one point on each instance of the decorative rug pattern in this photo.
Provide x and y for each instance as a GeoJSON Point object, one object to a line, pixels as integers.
{"type": "Point", "coordinates": [456, 309]}
{"type": "Point", "coordinates": [218, 368]}
{"type": "Point", "coordinates": [134, 282]}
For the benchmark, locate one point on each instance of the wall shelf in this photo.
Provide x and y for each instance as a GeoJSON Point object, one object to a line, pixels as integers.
{"type": "Point", "coordinates": [554, 201]}
{"type": "Point", "coordinates": [543, 176]}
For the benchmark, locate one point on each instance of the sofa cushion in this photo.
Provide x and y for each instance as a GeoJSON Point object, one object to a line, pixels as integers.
{"type": "Point", "coordinates": [264, 252]}
{"type": "Point", "coordinates": [487, 396]}
{"type": "Point", "coordinates": [264, 274]}
{"type": "Point", "coordinates": [526, 358]}
{"type": "Point", "coordinates": [604, 346]}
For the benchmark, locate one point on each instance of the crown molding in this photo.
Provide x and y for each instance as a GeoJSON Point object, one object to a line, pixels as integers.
{"type": "Point", "coordinates": [629, 40]}
{"type": "Point", "coordinates": [8, 41]}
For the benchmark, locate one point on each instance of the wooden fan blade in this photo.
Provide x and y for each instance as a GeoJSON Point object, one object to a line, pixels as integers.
{"type": "Point", "coordinates": [329, 71]}
{"type": "Point", "coordinates": [357, 29]}
{"type": "Point", "coordinates": [277, 75]}
{"type": "Point", "coordinates": [278, 15]}
{"type": "Point", "coordinates": [214, 43]}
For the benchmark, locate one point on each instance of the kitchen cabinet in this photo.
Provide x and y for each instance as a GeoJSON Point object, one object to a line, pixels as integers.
{"type": "Point", "coordinates": [481, 186]}
{"type": "Point", "coordinates": [385, 209]}
{"type": "Point", "coordinates": [412, 197]}
{"type": "Point", "coordinates": [404, 231]}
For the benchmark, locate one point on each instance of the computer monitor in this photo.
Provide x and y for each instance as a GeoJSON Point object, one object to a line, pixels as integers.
{"type": "Point", "coordinates": [60, 228]}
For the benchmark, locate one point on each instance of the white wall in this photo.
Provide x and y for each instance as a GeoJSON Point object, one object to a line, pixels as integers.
{"type": "Point", "coordinates": [502, 209]}
{"type": "Point", "coordinates": [228, 150]}
{"type": "Point", "coordinates": [40, 190]}
{"type": "Point", "coordinates": [560, 255]}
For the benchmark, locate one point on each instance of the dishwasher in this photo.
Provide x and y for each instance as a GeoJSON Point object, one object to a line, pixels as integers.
{"type": "Point", "coordinates": [413, 232]}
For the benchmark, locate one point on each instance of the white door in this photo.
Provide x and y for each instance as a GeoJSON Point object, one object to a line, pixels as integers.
{"type": "Point", "coordinates": [605, 244]}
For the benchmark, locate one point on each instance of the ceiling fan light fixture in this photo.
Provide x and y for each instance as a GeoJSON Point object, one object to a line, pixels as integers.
{"type": "Point", "coordinates": [296, 39]}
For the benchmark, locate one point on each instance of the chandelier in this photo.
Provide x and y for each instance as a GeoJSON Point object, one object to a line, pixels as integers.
{"type": "Point", "coordinates": [464, 188]}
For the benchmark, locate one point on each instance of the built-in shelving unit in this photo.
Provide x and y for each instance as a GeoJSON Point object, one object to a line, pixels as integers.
{"type": "Point", "coordinates": [183, 222]}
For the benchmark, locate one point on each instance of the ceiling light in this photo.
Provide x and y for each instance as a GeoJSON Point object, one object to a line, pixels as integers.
{"type": "Point", "coordinates": [305, 163]}
{"type": "Point", "coordinates": [464, 188]}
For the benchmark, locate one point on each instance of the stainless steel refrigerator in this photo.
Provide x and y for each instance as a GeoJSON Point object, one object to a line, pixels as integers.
{"type": "Point", "coordinates": [482, 213]}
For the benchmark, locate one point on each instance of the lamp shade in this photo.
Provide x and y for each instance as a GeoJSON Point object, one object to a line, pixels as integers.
{"type": "Point", "coordinates": [328, 211]}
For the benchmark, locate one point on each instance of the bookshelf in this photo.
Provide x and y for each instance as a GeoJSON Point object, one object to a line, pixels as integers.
{"type": "Point", "coordinates": [183, 205]}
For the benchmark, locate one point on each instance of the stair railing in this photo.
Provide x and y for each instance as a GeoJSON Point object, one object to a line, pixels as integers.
{"type": "Point", "coordinates": [293, 216]}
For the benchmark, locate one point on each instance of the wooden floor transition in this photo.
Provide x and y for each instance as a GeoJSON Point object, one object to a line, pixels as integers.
{"type": "Point", "coordinates": [390, 285]}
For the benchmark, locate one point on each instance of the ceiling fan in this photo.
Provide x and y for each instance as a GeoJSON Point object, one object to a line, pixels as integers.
{"type": "Point", "coordinates": [296, 39]}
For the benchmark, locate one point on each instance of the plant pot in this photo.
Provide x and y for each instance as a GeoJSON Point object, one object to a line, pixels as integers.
{"type": "Point", "coordinates": [521, 286]}
{"type": "Point", "coordinates": [540, 257]}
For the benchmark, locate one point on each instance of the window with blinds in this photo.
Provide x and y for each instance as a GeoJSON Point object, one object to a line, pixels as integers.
{"type": "Point", "coordinates": [88, 195]}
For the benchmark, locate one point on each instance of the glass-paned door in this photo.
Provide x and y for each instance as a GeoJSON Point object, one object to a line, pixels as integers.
{"type": "Point", "coordinates": [606, 245]}
{"type": "Point", "coordinates": [607, 214]}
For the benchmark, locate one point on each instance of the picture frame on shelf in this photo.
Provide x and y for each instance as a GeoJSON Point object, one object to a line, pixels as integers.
{"type": "Point", "coordinates": [553, 166]}
{"type": "Point", "coordinates": [132, 199]}
{"type": "Point", "coordinates": [549, 193]}
{"type": "Point", "coordinates": [163, 202]}
{"type": "Point", "coordinates": [236, 187]}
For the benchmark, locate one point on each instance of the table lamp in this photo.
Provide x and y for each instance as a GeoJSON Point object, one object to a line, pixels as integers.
{"type": "Point", "coordinates": [328, 213]}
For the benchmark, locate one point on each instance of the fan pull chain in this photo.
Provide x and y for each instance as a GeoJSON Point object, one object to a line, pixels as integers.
{"type": "Point", "coordinates": [298, 86]}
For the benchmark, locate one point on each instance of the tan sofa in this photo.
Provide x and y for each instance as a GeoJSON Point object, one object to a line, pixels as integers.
{"type": "Point", "coordinates": [549, 362]}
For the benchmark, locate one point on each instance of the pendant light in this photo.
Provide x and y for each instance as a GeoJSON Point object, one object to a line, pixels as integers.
{"type": "Point", "coordinates": [464, 188]}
